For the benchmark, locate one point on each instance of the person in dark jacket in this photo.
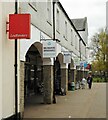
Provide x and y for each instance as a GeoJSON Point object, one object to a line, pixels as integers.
{"type": "Point", "coordinates": [89, 80]}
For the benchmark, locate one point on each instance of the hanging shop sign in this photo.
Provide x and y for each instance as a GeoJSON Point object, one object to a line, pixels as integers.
{"type": "Point", "coordinates": [49, 49]}
{"type": "Point", "coordinates": [88, 66]}
{"type": "Point", "coordinates": [19, 26]}
{"type": "Point", "coordinates": [67, 57]}
{"type": "Point", "coordinates": [81, 63]}
{"type": "Point", "coordinates": [77, 61]}
{"type": "Point", "coordinates": [85, 64]}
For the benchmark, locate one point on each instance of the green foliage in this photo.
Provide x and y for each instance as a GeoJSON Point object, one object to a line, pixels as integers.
{"type": "Point", "coordinates": [100, 52]}
{"type": "Point", "coordinates": [98, 79]}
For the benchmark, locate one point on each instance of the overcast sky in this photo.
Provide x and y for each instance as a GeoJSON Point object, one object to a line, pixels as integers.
{"type": "Point", "coordinates": [94, 10]}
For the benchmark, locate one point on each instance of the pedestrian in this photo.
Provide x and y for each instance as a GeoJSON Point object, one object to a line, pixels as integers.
{"type": "Point", "coordinates": [89, 80]}
{"type": "Point", "coordinates": [83, 83]}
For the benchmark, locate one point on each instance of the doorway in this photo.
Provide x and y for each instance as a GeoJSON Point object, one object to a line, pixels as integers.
{"type": "Point", "coordinates": [33, 82]}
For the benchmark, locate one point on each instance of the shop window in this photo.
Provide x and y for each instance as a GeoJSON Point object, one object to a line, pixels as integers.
{"type": "Point", "coordinates": [49, 11]}
{"type": "Point", "coordinates": [65, 30]}
{"type": "Point", "coordinates": [57, 21]}
{"type": "Point", "coordinates": [71, 37]}
{"type": "Point", "coordinates": [33, 4]}
{"type": "Point", "coordinates": [76, 41]}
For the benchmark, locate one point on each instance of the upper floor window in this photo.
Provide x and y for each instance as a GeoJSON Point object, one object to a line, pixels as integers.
{"type": "Point", "coordinates": [71, 37]}
{"type": "Point", "coordinates": [58, 21]}
{"type": "Point", "coordinates": [76, 42]}
{"type": "Point", "coordinates": [49, 11]}
{"type": "Point", "coordinates": [33, 4]}
{"type": "Point", "coordinates": [65, 30]}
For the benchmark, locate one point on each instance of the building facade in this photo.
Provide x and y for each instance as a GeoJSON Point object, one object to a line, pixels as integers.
{"type": "Point", "coordinates": [39, 78]}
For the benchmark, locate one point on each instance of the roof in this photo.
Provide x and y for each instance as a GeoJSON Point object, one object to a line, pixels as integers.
{"type": "Point", "coordinates": [80, 23]}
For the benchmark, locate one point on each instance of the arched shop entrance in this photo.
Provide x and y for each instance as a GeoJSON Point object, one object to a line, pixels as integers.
{"type": "Point", "coordinates": [61, 75]}
{"type": "Point", "coordinates": [36, 78]}
{"type": "Point", "coordinates": [33, 82]}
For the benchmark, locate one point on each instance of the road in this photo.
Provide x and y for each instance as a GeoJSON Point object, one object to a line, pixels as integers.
{"type": "Point", "coordinates": [82, 103]}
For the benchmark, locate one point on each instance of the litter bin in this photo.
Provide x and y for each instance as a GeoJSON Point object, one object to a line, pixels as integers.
{"type": "Point", "coordinates": [72, 86]}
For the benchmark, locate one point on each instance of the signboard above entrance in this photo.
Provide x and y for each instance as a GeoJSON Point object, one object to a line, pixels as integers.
{"type": "Point", "coordinates": [19, 26]}
{"type": "Point", "coordinates": [67, 57]}
{"type": "Point", "coordinates": [49, 49]}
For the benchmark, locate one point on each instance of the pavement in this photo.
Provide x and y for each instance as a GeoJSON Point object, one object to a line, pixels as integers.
{"type": "Point", "coordinates": [81, 103]}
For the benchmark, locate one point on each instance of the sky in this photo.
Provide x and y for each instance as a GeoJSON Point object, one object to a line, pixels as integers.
{"type": "Point", "coordinates": [94, 10]}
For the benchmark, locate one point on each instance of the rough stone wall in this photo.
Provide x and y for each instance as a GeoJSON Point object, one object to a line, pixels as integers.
{"type": "Point", "coordinates": [79, 75]}
{"type": "Point", "coordinates": [72, 75]}
{"type": "Point", "coordinates": [48, 83]}
{"type": "Point", "coordinates": [22, 71]}
{"type": "Point", "coordinates": [64, 78]}
{"type": "Point", "coordinates": [75, 75]}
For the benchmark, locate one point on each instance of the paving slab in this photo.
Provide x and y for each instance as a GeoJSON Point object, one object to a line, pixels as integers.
{"type": "Point", "coordinates": [82, 103]}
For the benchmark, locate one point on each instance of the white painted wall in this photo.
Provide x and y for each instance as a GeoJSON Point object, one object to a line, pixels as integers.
{"type": "Point", "coordinates": [25, 44]}
{"type": "Point", "coordinates": [84, 35]}
{"type": "Point", "coordinates": [0, 60]}
{"type": "Point", "coordinates": [39, 17]}
{"type": "Point", "coordinates": [66, 42]}
{"type": "Point", "coordinates": [83, 53]}
{"type": "Point", "coordinates": [8, 86]}
{"type": "Point", "coordinates": [107, 17]}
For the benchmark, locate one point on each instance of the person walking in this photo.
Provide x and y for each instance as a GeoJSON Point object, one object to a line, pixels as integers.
{"type": "Point", "coordinates": [89, 80]}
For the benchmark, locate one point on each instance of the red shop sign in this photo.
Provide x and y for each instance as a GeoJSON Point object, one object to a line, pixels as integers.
{"type": "Point", "coordinates": [19, 26]}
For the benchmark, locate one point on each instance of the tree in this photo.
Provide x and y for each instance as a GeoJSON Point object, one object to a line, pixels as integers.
{"type": "Point", "coordinates": [100, 52]}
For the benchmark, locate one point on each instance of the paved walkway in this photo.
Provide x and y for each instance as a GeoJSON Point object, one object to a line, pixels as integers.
{"type": "Point", "coordinates": [82, 103]}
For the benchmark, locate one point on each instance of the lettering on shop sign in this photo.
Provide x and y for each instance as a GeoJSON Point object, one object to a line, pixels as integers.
{"type": "Point", "coordinates": [49, 49]}
{"type": "Point", "coordinates": [18, 35]}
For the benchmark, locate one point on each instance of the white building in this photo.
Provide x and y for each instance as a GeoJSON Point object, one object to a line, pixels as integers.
{"type": "Point", "coordinates": [49, 21]}
{"type": "Point", "coordinates": [82, 28]}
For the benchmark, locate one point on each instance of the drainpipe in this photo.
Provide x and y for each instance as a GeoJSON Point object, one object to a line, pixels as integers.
{"type": "Point", "coordinates": [53, 20]}
{"type": "Point", "coordinates": [80, 48]}
{"type": "Point", "coordinates": [54, 99]}
{"type": "Point", "coordinates": [16, 86]}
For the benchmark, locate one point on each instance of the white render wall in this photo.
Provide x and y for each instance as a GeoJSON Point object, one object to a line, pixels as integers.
{"type": "Point", "coordinates": [84, 35]}
{"type": "Point", "coordinates": [0, 60]}
{"type": "Point", "coordinates": [25, 44]}
{"type": "Point", "coordinates": [7, 55]}
{"type": "Point", "coordinates": [66, 42]}
{"type": "Point", "coordinates": [83, 53]}
{"type": "Point", "coordinates": [7, 80]}
{"type": "Point", "coordinates": [39, 18]}
{"type": "Point", "coordinates": [107, 17]}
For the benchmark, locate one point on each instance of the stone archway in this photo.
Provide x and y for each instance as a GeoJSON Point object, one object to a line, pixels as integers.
{"type": "Point", "coordinates": [63, 72]}
{"type": "Point", "coordinates": [33, 82]}
{"type": "Point", "coordinates": [31, 76]}
{"type": "Point", "coordinates": [37, 68]}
